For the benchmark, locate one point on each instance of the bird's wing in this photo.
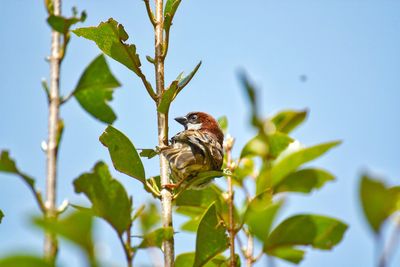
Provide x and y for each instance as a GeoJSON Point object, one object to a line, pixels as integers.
{"type": "Point", "coordinates": [206, 143]}
{"type": "Point", "coordinates": [180, 155]}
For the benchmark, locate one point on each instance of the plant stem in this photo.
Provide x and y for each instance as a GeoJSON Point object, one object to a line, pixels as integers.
{"type": "Point", "coordinates": [50, 244]}
{"type": "Point", "coordinates": [390, 246]}
{"type": "Point", "coordinates": [162, 120]}
{"type": "Point", "coordinates": [231, 223]}
{"type": "Point", "coordinates": [249, 249]}
{"type": "Point", "coordinates": [127, 246]}
{"type": "Point", "coordinates": [231, 228]}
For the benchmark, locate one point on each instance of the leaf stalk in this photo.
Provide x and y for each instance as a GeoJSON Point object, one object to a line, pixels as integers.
{"type": "Point", "coordinates": [150, 13]}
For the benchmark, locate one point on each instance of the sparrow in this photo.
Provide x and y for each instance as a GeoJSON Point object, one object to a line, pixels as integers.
{"type": "Point", "coordinates": [199, 148]}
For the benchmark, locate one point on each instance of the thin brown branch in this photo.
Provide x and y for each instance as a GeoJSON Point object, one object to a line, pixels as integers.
{"type": "Point", "coordinates": [162, 120]}
{"type": "Point", "coordinates": [231, 227]}
{"type": "Point", "coordinates": [150, 13]}
{"type": "Point", "coordinates": [50, 244]}
{"type": "Point", "coordinates": [127, 248]}
{"type": "Point", "coordinates": [129, 245]}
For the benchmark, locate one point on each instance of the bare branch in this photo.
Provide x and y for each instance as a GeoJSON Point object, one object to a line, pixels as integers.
{"type": "Point", "coordinates": [50, 245]}
{"type": "Point", "coordinates": [127, 247]}
{"type": "Point", "coordinates": [162, 121]}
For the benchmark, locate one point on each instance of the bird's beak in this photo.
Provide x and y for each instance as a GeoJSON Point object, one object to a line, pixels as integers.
{"type": "Point", "coordinates": [181, 120]}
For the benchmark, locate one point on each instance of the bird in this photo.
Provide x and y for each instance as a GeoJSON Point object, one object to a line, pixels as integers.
{"type": "Point", "coordinates": [196, 149]}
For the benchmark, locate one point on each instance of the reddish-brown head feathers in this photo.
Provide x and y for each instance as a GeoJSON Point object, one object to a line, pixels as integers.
{"type": "Point", "coordinates": [208, 123]}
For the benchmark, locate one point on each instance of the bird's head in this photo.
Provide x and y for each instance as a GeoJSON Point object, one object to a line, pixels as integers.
{"type": "Point", "coordinates": [201, 121]}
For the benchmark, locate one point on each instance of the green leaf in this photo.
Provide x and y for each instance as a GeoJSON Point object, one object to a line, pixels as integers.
{"type": "Point", "coordinates": [192, 224]}
{"type": "Point", "coordinates": [263, 179]}
{"type": "Point", "coordinates": [197, 198]}
{"type": "Point", "coordinates": [277, 142]}
{"type": "Point", "coordinates": [49, 6]}
{"type": "Point", "coordinates": [110, 37]}
{"type": "Point", "coordinates": [245, 168]}
{"type": "Point", "coordinates": [288, 253]}
{"type": "Point", "coordinates": [60, 132]}
{"type": "Point", "coordinates": [97, 75]}
{"type": "Point", "coordinates": [8, 165]}
{"type": "Point", "coordinates": [83, 209]}
{"type": "Point", "coordinates": [123, 153]}
{"type": "Point", "coordinates": [257, 146]}
{"type": "Point", "coordinates": [194, 213]}
{"type": "Point", "coordinates": [150, 59]}
{"type": "Point", "coordinates": [95, 89]}
{"type": "Point", "coordinates": [204, 178]}
{"type": "Point", "coordinates": [149, 218]}
{"type": "Point", "coordinates": [108, 197]}
{"type": "Point", "coordinates": [183, 82]}
{"type": "Point", "coordinates": [174, 89]}
{"type": "Point", "coordinates": [304, 230]}
{"type": "Point", "coordinates": [187, 260]}
{"type": "Point", "coordinates": [169, 12]}
{"type": "Point", "coordinates": [291, 162]}
{"type": "Point", "coordinates": [24, 261]}
{"type": "Point", "coordinates": [155, 238]}
{"type": "Point", "coordinates": [167, 97]}
{"type": "Point", "coordinates": [153, 184]}
{"type": "Point", "coordinates": [260, 214]}
{"type": "Point", "coordinates": [148, 153]}
{"type": "Point", "coordinates": [211, 237]}
{"type": "Point", "coordinates": [62, 24]}
{"type": "Point", "coordinates": [287, 120]}
{"type": "Point", "coordinates": [223, 123]}
{"type": "Point", "coordinates": [266, 146]}
{"type": "Point", "coordinates": [378, 201]}
{"type": "Point", "coordinates": [303, 181]}
{"type": "Point", "coordinates": [1, 215]}
{"type": "Point", "coordinates": [193, 203]}
{"type": "Point", "coordinates": [76, 227]}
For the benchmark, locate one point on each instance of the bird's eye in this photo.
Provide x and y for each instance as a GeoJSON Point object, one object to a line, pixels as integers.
{"type": "Point", "coordinates": [193, 117]}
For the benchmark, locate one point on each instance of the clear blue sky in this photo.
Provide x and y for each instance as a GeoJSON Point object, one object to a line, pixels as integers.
{"type": "Point", "coordinates": [349, 50]}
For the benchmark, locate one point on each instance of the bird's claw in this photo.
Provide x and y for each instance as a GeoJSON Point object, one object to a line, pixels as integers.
{"type": "Point", "coordinates": [169, 186]}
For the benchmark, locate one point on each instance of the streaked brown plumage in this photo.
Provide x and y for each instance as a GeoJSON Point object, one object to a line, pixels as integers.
{"type": "Point", "coordinates": [198, 148]}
